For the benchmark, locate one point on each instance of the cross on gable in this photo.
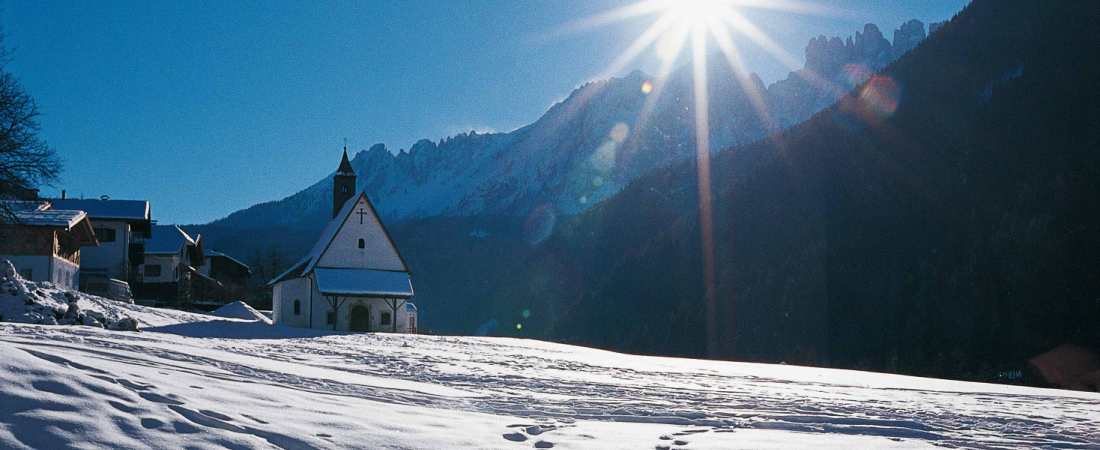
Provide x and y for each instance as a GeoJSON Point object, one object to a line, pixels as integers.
{"type": "Point", "coordinates": [361, 213]}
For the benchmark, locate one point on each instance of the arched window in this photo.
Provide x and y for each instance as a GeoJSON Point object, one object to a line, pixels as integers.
{"type": "Point", "coordinates": [297, 308]}
{"type": "Point", "coordinates": [362, 243]}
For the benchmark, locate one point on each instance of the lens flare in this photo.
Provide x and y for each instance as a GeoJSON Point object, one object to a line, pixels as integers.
{"type": "Point", "coordinates": [694, 23]}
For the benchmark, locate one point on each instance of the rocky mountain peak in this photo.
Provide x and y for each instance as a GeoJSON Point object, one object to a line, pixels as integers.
{"type": "Point", "coordinates": [908, 36]}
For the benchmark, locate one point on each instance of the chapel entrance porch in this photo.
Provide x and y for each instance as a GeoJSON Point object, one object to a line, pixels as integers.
{"type": "Point", "coordinates": [360, 319]}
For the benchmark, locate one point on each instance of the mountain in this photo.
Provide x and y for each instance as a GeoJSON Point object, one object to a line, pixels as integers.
{"type": "Point", "coordinates": [587, 147]}
{"type": "Point", "coordinates": [939, 220]}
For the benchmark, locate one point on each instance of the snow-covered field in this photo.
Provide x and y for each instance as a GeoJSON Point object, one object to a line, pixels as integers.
{"type": "Point", "coordinates": [197, 381]}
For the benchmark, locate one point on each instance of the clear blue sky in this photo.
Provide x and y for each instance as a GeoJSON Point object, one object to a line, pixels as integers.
{"type": "Point", "coordinates": [204, 108]}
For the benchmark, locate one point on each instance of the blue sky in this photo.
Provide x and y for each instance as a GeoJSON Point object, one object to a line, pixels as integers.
{"type": "Point", "coordinates": [204, 108]}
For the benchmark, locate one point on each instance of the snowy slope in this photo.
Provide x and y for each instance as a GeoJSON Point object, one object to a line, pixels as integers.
{"type": "Point", "coordinates": [277, 387]}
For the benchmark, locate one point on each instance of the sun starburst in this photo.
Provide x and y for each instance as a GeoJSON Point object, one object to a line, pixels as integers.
{"type": "Point", "coordinates": [696, 24]}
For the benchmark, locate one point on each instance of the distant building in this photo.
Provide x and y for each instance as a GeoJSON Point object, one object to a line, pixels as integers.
{"type": "Point", "coordinates": [230, 272]}
{"type": "Point", "coordinates": [44, 243]}
{"type": "Point", "coordinates": [121, 227]}
{"type": "Point", "coordinates": [170, 275]}
{"type": "Point", "coordinates": [354, 278]}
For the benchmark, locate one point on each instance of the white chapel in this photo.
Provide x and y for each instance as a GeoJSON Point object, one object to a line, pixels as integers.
{"type": "Point", "coordinates": [354, 278]}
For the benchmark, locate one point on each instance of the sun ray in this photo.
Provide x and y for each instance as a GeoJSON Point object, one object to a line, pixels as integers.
{"type": "Point", "coordinates": [647, 38]}
{"type": "Point", "coordinates": [742, 25]}
{"type": "Point", "coordinates": [744, 78]}
{"type": "Point", "coordinates": [702, 162]}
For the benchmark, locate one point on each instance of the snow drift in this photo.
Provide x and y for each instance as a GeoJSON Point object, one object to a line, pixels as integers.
{"type": "Point", "coordinates": [241, 310]}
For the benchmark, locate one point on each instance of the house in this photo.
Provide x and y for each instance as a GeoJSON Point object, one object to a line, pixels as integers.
{"type": "Point", "coordinates": [230, 272]}
{"type": "Point", "coordinates": [121, 227]}
{"type": "Point", "coordinates": [354, 278]}
{"type": "Point", "coordinates": [169, 274]}
{"type": "Point", "coordinates": [44, 243]}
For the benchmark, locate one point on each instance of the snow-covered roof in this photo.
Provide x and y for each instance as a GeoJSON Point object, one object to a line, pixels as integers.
{"type": "Point", "coordinates": [216, 254]}
{"type": "Point", "coordinates": [167, 239]}
{"type": "Point", "coordinates": [135, 210]}
{"type": "Point", "coordinates": [63, 218]}
{"type": "Point", "coordinates": [363, 282]}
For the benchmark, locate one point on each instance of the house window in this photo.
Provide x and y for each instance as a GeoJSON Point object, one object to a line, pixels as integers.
{"type": "Point", "coordinates": [385, 318]}
{"type": "Point", "coordinates": [330, 318]}
{"type": "Point", "coordinates": [297, 307]}
{"type": "Point", "coordinates": [362, 243]}
{"type": "Point", "coordinates": [152, 270]}
{"type": "Point", "coordinates": [105, 234]}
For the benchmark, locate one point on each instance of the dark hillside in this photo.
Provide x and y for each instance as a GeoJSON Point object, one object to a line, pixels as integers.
{"type": "Point", "coordinates": [941, 220]}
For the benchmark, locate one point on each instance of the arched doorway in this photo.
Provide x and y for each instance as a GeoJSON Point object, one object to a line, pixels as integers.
{"type": "Point", "coordinates": [360, 318]}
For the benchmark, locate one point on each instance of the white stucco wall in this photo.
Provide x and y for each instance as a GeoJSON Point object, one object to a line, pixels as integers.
{"type": "Point", "coordinates": [168, 266]}
{"type": "Point", "coordinates": [344, 252]}
{"type": "Point", "coordinates": [109, 256]}
{"type": "Point", "coordinates": [285, 292]}
{"type": "Point", "coordinates": [283, 295]}
{"type": "Point", "coordinates": [65, 273]}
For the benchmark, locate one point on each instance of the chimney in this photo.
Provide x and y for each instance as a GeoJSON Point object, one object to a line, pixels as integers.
{"type": "Point", "coordinates": [63, 194]}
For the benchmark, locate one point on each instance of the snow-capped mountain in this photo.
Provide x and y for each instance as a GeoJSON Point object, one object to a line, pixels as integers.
{"type": "Point", "coordinates": [590, 145]}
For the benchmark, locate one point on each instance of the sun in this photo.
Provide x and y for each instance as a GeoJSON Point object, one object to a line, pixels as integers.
{"type": "Point", "coordinates": [696, 13]}
{"type": "Point", "coordinates": [697, 24]}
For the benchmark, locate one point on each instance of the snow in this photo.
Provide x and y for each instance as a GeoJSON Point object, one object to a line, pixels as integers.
{"type": "Point", "coordinates": [364, 282]}
{"type": "Point", "coordinates": [241, 310]}
{"type": "Point", "coordinates": [43, 302]}
{"type": "Point", "coordinates": [208, 382]}
{"type": "Point", "coordinates": [50, 217]}
{"type": "Point", "coordinates": [232, 379]}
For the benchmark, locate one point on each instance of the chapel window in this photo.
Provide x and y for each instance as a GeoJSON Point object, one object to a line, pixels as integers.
{"type": "Point", "coordinates": [362, 243]}
{"type": "Point", "coordinates": [297, 308]}
{"type": "Point", "coordinates": [385, 318]}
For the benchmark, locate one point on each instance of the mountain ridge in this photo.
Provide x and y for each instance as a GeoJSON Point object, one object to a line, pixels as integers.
{"type": "Point", "coordinates": [583, 149]}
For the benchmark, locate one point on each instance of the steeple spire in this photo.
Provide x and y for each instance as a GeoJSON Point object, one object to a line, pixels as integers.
{"type": "Point", "coordinates": [345, 164]}
{"type": "Point", "coordinates": [343, 183]}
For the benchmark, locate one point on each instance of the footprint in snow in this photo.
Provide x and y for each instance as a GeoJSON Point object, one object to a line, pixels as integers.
{"type": "Point", "coordinates": [680, 442]}
{"type": "Point", "coordinates": [544, 444]}
{"type": "Point", "coordinates": [515, 437]}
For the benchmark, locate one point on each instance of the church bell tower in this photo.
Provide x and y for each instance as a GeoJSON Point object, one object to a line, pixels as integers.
{"type": "Point", "coordinates": [343, 183]}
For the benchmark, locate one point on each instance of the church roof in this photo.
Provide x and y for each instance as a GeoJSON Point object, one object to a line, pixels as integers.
{"type": "Point", "coordinates": [309, 262]}
{"type": "Point", "coordinates": [363, 282]}
{"type": "Point", "coordinates": [345, 165]}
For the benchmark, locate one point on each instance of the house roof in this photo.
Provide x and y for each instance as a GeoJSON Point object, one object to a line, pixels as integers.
{"type": "Point", "coordinates": [365, 282]}
{"type": "Point", "coordinates": [309, 261]}
{"type": "Point", "coordinates": [217, 254]}
{"type": "Point", "coordinates": [130, 210]}
{"type": "Point", "coordinates": [39, 214]}
{"type": "Point", "coordinates": [167, 239]}
{"type": "Point", "coordinates": [63, 218]}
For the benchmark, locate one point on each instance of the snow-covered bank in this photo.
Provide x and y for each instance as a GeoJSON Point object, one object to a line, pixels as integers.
{"type": "Point", "coordinates": [230, 383]}
{"type": "Point", "coordinates": [45, 303]}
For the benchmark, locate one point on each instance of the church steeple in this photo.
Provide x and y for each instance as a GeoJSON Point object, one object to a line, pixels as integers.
{"type": "Point", "coordinates": [343, 183]}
